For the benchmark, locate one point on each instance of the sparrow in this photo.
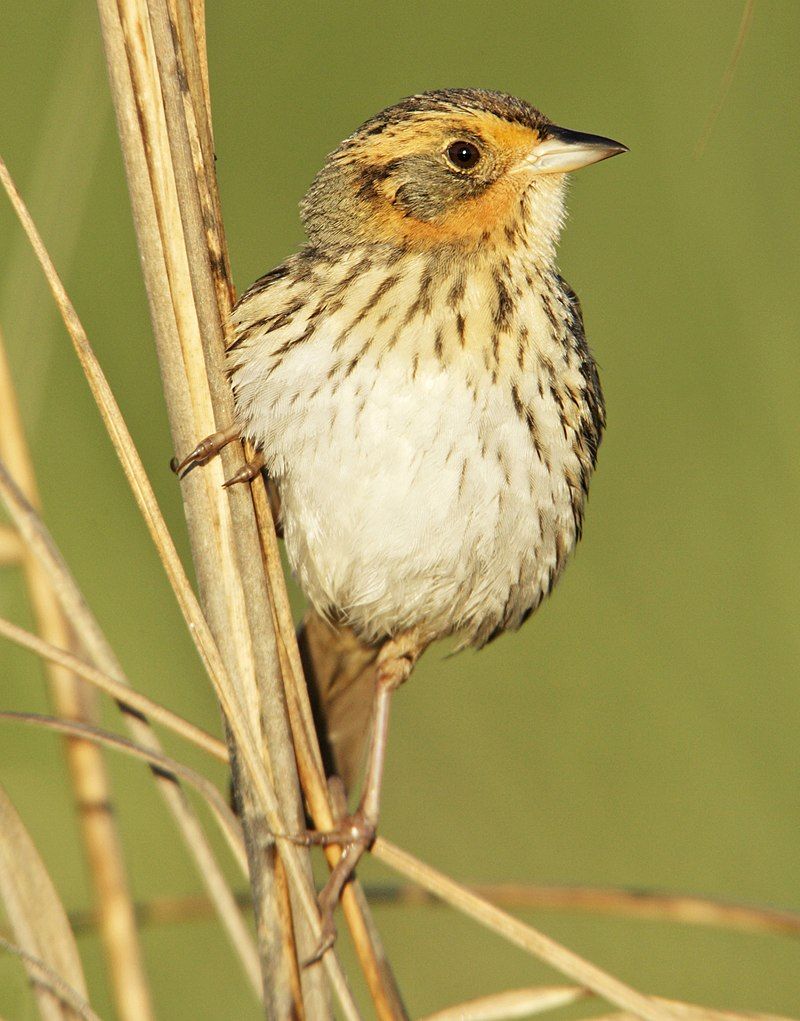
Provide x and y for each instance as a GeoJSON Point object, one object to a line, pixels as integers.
{"type": "Point", "coordinates": [418, 382]}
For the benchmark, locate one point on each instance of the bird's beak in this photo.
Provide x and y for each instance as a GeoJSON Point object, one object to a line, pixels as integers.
{"type": "Point", "coordinates": [562, 150]}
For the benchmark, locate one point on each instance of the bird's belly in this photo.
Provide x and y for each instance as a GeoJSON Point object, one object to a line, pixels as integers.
{"type": "Point", "coordinates": [422, 502]}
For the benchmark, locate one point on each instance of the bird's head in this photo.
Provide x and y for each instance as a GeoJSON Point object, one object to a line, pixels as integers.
{"type": "Point", "coordinates": [457, 167]}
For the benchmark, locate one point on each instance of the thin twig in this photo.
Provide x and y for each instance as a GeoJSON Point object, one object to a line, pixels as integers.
{"type": "Point", "coordinates": [380, 979]}
{"type": "Point", "coordinates": [383, 988]}
{"type": "Point", "coordinates": [727, 78]}
{"type": "Point", "coordinates": [11, 548]}
{"type": "Point", "coordinates": [691, 1012]}
{"type": "Point", "coordinates": [37, 918]}
{"type": "Point", "coordinates": [44, 975]}
{"type": "Point", "coordinates": [227, 821]}
{"type": "Point", "coordinates": [118, 690]}
{"type": "Point", "coordinates": [525, 936]}
{"type": "Point", "coordinates": [683, 908]}
{"type": "Point", "coordinates": [687, 909]}
{"type": "Point", "coordinates": [514, 1003]}
{"type": "Point", "coordinates": [152, 118]}
{"type": "Point", "coordinates": [81, 618]}
{"type": "Point", "coordinates": [90, 781]}
{"type": "Point", "coordinates": [94, 642]}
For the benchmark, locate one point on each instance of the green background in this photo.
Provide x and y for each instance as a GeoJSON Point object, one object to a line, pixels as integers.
{"type": "Point", "coordinates": [643, 728]}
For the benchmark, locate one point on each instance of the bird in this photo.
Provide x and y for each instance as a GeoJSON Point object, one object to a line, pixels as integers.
{"type": "Point", "coordinates": [418, 383]}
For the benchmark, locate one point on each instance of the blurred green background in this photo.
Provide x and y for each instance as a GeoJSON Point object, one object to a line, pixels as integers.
{"type": "Point", "coordinates": [643, 728]}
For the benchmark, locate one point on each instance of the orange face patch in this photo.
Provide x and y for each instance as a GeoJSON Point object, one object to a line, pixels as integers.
{"type": "Point", "coordinates": [489, 199]}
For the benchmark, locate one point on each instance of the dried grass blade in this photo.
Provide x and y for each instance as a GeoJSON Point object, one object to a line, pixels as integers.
{"type": "Point", "coordinates": [164, 248]}
{"type": "Point", "coordinates": [381, 982]}
{"type": "Point", "coordinates": [228, 823]}
{"type": "Point", "coordinates": [10, 547]}
{"type": "Point", "coordinates": [516, 1003]}
{"type": "Point", "coordinates": [118, 690]}
{"type": "Point", "coordinates": [81, 618]}
{"type": "Point", "coordinates": [42, 974]}
{"type": "Point", "coordinates": [36, 914]}
{"type": "Point", "coordinates": [239, 565]}
{"type": "Point", "coordinates": [87, 770]}
{"type": "Point", "coordinates": [92, 639]}
{"type": "Point", "coordinates": [525, 936]}
{"type": "Point", "coordinates": [691, 1012]}
{"type": "Point", "coordinates": [688, 909]}
{"type": "Point", "coordinates": [727, 78]}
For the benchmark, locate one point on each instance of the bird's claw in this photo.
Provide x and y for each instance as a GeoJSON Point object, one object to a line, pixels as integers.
{"type": "Point", "coordinates": [205, 450]}
{"type": "Point", "coordinates": [355, 834]}
{"type": "Point", "coordinates": [327, 936]}
{"type": "Point", "coordinates": [246, 473]}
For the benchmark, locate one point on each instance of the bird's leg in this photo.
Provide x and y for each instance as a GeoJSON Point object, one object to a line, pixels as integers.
{"type": "Point", "coordinates": [356, 833]}
{"type": "Point", "coordinates": [206, 449]}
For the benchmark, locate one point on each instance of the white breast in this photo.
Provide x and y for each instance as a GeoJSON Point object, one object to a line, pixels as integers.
{"type": "Point", "coordinates": [412, 493]}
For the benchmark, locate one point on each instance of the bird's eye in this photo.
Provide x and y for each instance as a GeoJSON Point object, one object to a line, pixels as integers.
{"type": "Point", "coordinates": [463, 155]}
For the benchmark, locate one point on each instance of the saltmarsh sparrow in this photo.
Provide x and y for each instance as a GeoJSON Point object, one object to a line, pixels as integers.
{"type": "Point", "coordinates": [418, 381]}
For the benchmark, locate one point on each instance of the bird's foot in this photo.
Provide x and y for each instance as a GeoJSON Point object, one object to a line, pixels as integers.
{"type": "Point", "coordinates": [205, 450]}
{"type": "Point", "coordinates": [355, 834]}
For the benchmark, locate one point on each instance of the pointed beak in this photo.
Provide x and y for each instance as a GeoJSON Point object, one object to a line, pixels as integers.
{"type": "Point", "coordinates": [562, 150]}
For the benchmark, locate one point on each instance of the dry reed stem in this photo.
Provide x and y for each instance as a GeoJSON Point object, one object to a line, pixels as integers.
{"type": "Point", "coordinates": [525, 936]}
{"type": "Point", "coordinates": [79, 615]}
{"type": "Point", "coordinates": [35, 912]}
{"type": "Point", "coordinates": [152, 113]}
{"type": "Point", "coordinates": [11, 549]}
{"type": "Point", "coordinates": [515, 1003]}
{"type": "Point", "coordinates": [377, 971]}
{"type": "Point", "coordinates": [90, 781]}
{"type": "Point", "coordinates": [192, 68]}
{"type": "Point", "coordinates": [69, 133]}
{"type": "Point", "coordinates": [117, 689]}
{"type": "Point", "coordinates": [519, 1003]}
{"type": "Point", "coordinates": [198, 126]}
{"type": "Point", "coordinates": [227, 821]}
{"type": "Point", "coordinates": [727, 79]}
{"type": "Point", "coordinates": [36, 535]}
{"type": "Point", "coordinates": [690, 1012]}
{"type": "Point", "coordinates": [41, 974]}
{"type": "Point", "coordinates": [657, 905]}
{"type": "Point", "coordinates": [93, 641]}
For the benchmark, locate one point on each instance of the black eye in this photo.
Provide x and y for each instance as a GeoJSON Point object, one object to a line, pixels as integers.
{"type": "Point", "coordinates": [463, 155]}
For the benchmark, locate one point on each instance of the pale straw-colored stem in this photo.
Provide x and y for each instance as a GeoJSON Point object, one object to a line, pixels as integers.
{"type": "Point", "coordinates": [657, 905]}
{"type": "Point", "coordinates": [35, 913]}
{"type": "Point", "coordinates": [525, 936]}
{"type": "Point", "coordinates": [50, 979]}
{"type": "Point", "coordinates": [513, 1003]}
{"type": "Point", "coordinates": [152, 119]}
{"type": "Point", "coordinates": [521, 1003]}
{"type": "Point", "coordinates": [227, 821]}
{"type": "Point", "coordinates": [83, 622]}
{"type": "Point", "coordinates": [92, 640]}
{"type": "Point", "coordinates": [11, 549]}
{"type": "Point", "coordinates": [691, 1012]}
{"type": "Point", "coordinates": [117, 689]}
{"type": "Point", "coordinates": [74, 700]}
{"type": "Point", "coordinates": [385, 993]}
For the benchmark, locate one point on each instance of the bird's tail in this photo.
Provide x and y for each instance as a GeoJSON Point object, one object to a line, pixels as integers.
{"type": "Point", "coordinates": [340, 670]}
